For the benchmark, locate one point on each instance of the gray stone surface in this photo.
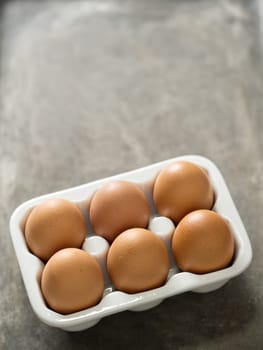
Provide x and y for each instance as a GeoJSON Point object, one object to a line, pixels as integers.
{"type": "Point", "coordinates": [90, 89]}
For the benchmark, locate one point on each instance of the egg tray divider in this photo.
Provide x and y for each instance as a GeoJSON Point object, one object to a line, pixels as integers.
{"type": "Point", "coordinates": [114, 301]}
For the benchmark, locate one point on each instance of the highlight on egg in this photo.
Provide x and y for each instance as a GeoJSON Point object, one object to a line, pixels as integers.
{"type": "Point", "coordinates": [203, 242]}
{"type": "Point", "coordinates": [118, 206]}
{"type": "Point", "coordinates": [53, 225]}
{"type": "Point", "coordinates": [180, 188]}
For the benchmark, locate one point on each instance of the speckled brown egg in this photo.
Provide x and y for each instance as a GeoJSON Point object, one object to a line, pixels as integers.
{"type": "Point", "coordinates": [118, 206]}
{"type": "Point", "coordinates": [203, 242]}
{"type": "Point", "coordinates": [72, 280]}
{"type": "Point", "coordinates": [52, 225]}
{"type": "Point", "coordinates": [137, 261]}
{"type": "Point", "coordinates": [180, 188]}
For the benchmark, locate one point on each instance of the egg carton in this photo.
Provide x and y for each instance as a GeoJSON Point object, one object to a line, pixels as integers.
{"type": "Point", "coordinates": [114, 301]}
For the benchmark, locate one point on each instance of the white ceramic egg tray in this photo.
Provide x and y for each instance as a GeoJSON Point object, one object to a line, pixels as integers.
{"type": "Point", "coordinates": [115, 301]}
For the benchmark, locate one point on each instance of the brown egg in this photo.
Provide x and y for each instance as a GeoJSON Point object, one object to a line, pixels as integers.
{"type": "Point", "coordinates": [180, 188]}
{"type": "Point", "coordinates": [137, 261]}
{"type": "Point", "coordinates": [202, 242]}
{"type": "Point", "coordinates": [116, 207]}
{"type": "Point", "coordinates": [53, 225]}
{"type": "Point", "coordinates": [72, 280]}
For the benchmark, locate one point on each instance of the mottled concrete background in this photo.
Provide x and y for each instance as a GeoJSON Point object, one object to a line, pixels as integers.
{"type": "Point", "coordinates": [90, 89]}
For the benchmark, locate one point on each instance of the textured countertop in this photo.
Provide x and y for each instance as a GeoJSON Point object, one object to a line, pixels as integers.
{"type": "Point", "coordinates": [92, 89]}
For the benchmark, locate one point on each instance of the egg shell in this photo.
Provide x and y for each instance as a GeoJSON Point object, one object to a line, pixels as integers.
{"type": "Point", "coordinates": [180, 188]}
{"type": "Point", "coordinates": [53, 225]}
{"type": "Point", "coordinates": [137, 261]}
{"type": "Point", "coordinates": [203, 242]}
{"type": "Point", "coordinates": [72, 280]}
{"type": "Point", "coordinates": [116, 207]}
